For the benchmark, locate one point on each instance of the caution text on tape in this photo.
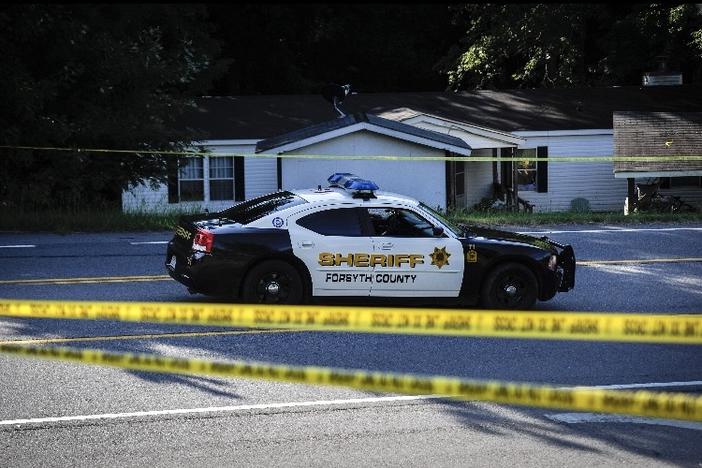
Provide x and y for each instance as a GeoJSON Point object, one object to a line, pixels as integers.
{"type": "Point", "coordinates": [654, 328]}
{"type": "Point", "coordinates": [640, 403]}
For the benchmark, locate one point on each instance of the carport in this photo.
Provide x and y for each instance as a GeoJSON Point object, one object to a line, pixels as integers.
{"type": "Point", "coordinates": [667, 136]}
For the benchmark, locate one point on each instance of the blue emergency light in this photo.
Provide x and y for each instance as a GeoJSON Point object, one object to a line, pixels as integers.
{"type": "Point", "coordinates": [362, 188]}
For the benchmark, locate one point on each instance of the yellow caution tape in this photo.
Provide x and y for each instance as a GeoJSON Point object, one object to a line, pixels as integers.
{"type": "Point", "coordinates": [676, 329]}
{"type": "Point", "coordinates": [640, 403]}
{"type": "Point", "coordinates": [550, 159]}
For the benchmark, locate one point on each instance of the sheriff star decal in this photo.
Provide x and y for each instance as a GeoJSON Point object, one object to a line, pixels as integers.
{"type": "Point", "coordinates": [440, 257]}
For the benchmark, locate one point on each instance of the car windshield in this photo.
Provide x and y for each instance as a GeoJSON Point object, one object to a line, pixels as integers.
{"type": "Point", "coordinates": [451, 226]}
{"type": "Point", "coordinates": [251, 210]}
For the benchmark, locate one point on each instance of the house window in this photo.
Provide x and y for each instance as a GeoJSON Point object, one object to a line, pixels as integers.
{"type": "Point", "coordinates": [526, 170]}
{"type": "Point", "coordinates": [204, 179]}
{"type": "Point", "coordinates": [191, 182]}
{"type": "Point", "coordinates": [221, 178]}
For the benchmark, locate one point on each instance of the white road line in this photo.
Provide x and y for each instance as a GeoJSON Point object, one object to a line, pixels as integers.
{"type": "Point", "coordinates": [595, 231]}
{"type": "Point", "coordinates": [300, 404]}
{"type": "Point", "coordinates": [691, 383]}
{"type": "Point", "coordinates": [18, 246]}
{"type": "Point", "coordinates": [213, 409]}
{"type": "Point", "coordinates": [583, 418]}
{"type": "Point", "coordinates": [149, 242]}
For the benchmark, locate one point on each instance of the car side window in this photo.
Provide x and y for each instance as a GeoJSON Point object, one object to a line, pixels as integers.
{"type": "Point", "coordinates": [398, 222]}
{"type": "Point", "coordinates": [333, 222]}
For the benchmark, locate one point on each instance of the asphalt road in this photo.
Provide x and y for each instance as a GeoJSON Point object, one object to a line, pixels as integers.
{"type": "Point", "coordinates": [167, 420]}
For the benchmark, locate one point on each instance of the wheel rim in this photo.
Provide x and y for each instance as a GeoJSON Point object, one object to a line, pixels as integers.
{"type": "Point", "coordinates": [273, 288]}
{"type": "Point", "coordinates": [510, 291]}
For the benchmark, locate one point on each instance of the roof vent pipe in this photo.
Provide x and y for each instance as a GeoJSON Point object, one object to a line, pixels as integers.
{"type": "Point", "coordinates": [336, 94]}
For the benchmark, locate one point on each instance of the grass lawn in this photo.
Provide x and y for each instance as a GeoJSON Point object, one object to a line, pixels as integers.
{"type": "Point", "coordinates": [535, 219]}
{"type": "Point", "coordinates": [58, 221]}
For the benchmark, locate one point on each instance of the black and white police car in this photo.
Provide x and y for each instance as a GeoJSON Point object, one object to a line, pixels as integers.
{"type": "Point", "coordinates": [352, 240]}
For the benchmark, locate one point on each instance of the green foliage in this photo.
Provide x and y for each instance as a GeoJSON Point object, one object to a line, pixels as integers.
{"type": "Point", "coordinates": [297, 48]}
{"type": "Point", "coordinates": [85, 220]}
{"type": "Point", "coordinates": [568, 217]}
{"type": "Point", "coordinates": [490, 205]}
{"type": "Point", "coordinates": [95, 76]}
{"type": "Point", "coordinates": [114, 220]}
{"type": "Point", "coordinates": [566, 45]}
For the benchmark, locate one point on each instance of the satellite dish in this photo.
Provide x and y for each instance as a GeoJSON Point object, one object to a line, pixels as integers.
{"type": "Point", "coordinates": [336, 94]}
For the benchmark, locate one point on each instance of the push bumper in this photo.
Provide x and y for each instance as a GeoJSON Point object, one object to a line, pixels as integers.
{"type": "Point", "coordinates": [565, 265]}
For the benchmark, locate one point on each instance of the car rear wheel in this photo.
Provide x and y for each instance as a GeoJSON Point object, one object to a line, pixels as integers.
{"type": "Point", "coordinates": [509, 286]}
{"type": "Point", "coordinates": [273, 282]}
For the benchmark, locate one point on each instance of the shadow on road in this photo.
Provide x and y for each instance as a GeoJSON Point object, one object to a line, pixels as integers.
{"type": "Point", "coordinates": [660, 444]}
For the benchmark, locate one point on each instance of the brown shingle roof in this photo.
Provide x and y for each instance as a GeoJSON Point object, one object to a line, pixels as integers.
{"type": "Point", "coordinates": [243, 117]}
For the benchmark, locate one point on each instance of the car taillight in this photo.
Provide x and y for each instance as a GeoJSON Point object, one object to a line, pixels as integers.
{"type": "Point", "coordinates": [203, 241]}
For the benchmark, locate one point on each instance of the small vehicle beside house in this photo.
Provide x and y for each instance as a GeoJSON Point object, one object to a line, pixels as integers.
{"type": "Point", "coordinates": [351, 240]}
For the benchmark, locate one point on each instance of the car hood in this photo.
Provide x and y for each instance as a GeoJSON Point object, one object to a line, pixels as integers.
{"type": "Point", "coordinates": [499, 235]}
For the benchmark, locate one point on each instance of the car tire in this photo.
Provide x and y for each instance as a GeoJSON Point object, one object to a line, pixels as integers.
{"type": "Point", "coordinates": [509, 286]}
{"type": "Point", "coordinates": [273, 282]}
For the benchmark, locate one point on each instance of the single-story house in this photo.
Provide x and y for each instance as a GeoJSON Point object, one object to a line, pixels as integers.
{"type": "Point", "coordinates": [254, 140]}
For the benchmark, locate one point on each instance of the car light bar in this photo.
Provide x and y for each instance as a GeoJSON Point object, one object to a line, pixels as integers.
{"type": "Point", "coordinates": [350, 181]}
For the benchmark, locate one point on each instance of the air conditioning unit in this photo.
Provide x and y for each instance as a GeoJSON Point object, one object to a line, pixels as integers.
{"type": "Point", "coordinates": [662, 79]}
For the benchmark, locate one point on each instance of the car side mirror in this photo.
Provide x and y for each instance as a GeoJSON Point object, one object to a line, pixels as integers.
{"type": "Point", "coordinates": [437, 231]}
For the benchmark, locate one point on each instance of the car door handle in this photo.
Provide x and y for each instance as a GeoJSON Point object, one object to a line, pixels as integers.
{"type": "Point", "coordinates": [386, 245]}
{"type": "Point", "coordinates": [306, 244]}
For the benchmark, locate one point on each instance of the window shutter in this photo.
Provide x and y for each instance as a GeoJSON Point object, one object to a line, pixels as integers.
{"type": "Point", "coordinates": [172, 177]}
{"type": "Point", "coordinates": [542, 169]}
{"type": "Point", "coordinates": [239, 192]}
{"type": "Point", "coordinates": [279, 172]}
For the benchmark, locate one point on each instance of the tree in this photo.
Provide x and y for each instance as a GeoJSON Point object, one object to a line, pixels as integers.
{"type": "Point", "coordinates": [96, 76]}
{"type": "Point", "coordinates": [649, 34]}
{"type": "Point", "coordinates": [565, 45]}
{"type": "Point", "coordinates": [289, 49]}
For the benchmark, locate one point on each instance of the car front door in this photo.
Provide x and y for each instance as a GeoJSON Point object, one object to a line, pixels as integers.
{"type": "Point", "coordinates": [410, 257]}
{"type": "Point", "coordinates": [335, 249]}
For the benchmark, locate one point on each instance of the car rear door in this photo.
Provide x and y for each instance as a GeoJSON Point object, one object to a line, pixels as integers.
{"type": "Point", "coordinates": [335, 249]}
{"type": "Point", "coordinates": [410, 259]}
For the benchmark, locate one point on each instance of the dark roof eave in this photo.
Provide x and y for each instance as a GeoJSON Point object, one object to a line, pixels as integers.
{"type": "Point", "coordinates": [353, 119]}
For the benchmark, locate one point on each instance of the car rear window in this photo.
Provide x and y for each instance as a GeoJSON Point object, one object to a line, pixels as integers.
{"type": "Point", "coordinates": [256, 208]}
{"type": "Point", "coordinates": [337, 222]}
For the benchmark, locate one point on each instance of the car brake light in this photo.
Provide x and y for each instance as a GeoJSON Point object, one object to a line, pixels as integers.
{"type": "Point", "coordinates": [203, 241]}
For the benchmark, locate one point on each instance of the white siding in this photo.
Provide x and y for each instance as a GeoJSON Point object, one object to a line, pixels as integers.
{"type": "Point", "coordinates": [259, 178]}
{"type": "Point", "coordinates": [566, 180]}
{"type": "Point", "coordinates": [142, 198]}
{"type": "Point", "coordinates": [424, 180]}
{"type": "Point", "coordinates": [478, 178]}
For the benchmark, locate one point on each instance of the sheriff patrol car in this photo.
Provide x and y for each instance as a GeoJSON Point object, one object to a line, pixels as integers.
{"type": "Point", "coordinates": [352, 240]}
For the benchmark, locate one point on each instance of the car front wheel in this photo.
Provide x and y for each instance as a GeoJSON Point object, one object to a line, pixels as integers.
{"type": "Point", "coordinates": [509, 286]}
{"type": "Point", "coordinates": [273, 282]}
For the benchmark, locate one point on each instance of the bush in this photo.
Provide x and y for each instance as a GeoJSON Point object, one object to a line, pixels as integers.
{"type": "Point", "coordinates": [489, 205]}
{"type": "Point", "coordinates": [580, 205]}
